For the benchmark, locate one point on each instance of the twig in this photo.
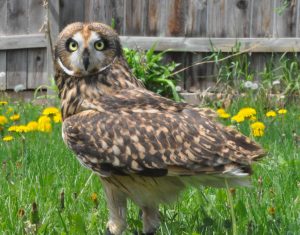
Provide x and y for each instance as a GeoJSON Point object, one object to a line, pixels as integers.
{"type": "Point", "coordinates": [213, 61]}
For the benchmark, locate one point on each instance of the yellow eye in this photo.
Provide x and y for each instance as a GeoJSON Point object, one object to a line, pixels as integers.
{"type": "Point", "coordinates": [72, 45]}
{"type": "Point", "coordinates": [99, 45]}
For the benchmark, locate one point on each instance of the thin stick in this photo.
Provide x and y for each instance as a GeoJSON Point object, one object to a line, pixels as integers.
{"type": "Point", "coordinates": [213, 61]}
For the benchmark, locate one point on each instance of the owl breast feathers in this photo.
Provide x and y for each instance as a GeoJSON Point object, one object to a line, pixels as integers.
{"type": "Point", "coordinates": [143, 146]}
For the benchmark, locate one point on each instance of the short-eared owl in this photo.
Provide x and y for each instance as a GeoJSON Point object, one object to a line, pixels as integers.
{"type": "Point", "coordinates": [143, 146]}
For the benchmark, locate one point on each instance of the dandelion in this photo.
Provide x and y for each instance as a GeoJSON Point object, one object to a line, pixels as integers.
{"type": "Point", "coordinates": [32, 126]}
{"type": "Point", "coordinates": [9, 110]}
{"type": "Point", "coordinates": [225, 115]}
{"type": "Point", "coordinates": [95, 199]}
{"type": "Point", "coordinates": [282, 111]}
{"type": "Point", "coordinates": [8, 138]}
{"type": "Point", "coordinates": [50, 111]}
{"type": "Point", "coordinates": [271, 113]}
{"type": "Point", "coordinates": [15, 117]}
{"type": "Point", "coordinates": [238, 118]}
{"type": "Point", "coordinates": [57, 118]}
{"type": "Point", "coordinates": [271, 210]}
{"type": "Point", "coordinates": [44, 124]}
{"type": "Point", "coordinates": [222, 114]}
{"type": "Point", "coordinates": [3, 102]}
{"type": "Point", "coordinates": [18, 129]}
{"type": "Point", "coordinates": [247, 112]}
{"type": "Point", "coordinates": [258, 129]}
{"type": "Point", "coordinates": [3, 120]}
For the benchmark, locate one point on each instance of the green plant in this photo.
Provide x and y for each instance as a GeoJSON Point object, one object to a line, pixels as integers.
{"type": "Point", "coordinates": [148, 66]}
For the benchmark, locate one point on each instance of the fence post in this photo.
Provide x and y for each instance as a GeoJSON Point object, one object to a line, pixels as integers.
{"type": "Point", "coordinates": [53, 30]}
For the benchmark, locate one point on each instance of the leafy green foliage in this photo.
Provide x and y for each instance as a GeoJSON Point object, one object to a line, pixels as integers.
{"type": "Point", "coordinates": [148, 66]}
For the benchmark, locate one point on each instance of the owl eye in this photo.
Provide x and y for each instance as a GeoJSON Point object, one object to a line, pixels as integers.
{"type": "Point", "coordinates": [99, 45]}
{"type": "Point", "coordinates": [72, 45]}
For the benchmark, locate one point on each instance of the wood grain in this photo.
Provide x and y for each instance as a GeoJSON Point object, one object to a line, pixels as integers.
{"type": "Point", "coordinates": [17, 23]}
{"type": "Point", "coordinates": [285, 24]}
{"type": "Point", "coordinates": [71, 12]}
{"type": "Point", "coordinates": [134, 17]}
{"type": "Point", "coordinates": [23, 41]}
{"type": "Point", "coordinates": [37, 58]}
{"type": "Point", "coordinates": [3, 25]}
{"type": "Point", "coordinates": [216, 18]}
{"type": "Point", "coordinates": [204, 44]}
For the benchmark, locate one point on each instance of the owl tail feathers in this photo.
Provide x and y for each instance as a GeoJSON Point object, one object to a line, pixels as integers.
{"type": "Point", "coordinates": [232, 176]}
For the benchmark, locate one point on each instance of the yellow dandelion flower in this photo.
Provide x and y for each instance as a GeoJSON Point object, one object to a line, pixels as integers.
{"type": "Point", "coordinates": [258, 129]}
{"type": "Point", "coordinates": [3, 120]}
{"type": "Point", "coordinates": [247, 112]}
{"type": "Point", "coordinates": [238, 118]}
{"type": "Point", "coordinates": [220, 111]}
{"type": "Point", "coordinates": [15, 117]}
{"type": "Point", "coordinates": [224, 115]}
{"type": "Point", "coordinates": [19, 129]}
{"type": "Point", "coordinates": [94, 197]}
{"type": "Point", "coordinates": [7, 138]}
{"type": "Point", "coordinates": [253, 118]}
{"type": "Point", "coordinates": [271, 113]}
{"type": "Point", "coordinates": [9, 110]}
{"type": "Point", "coordinates": [2, 102]}
{"type": "Point", "coordinates": [32, 126]}
{"type": "Point", "coordinates": [271, 210]}
{"type": "Point", "coordinates": [282, 111]}
{"type": "Point", "coordinates": [44, 124]}
{"type": "Point", "coordinates": [50, 111]}
{"type": "Point", "coordinates": [57, 118]}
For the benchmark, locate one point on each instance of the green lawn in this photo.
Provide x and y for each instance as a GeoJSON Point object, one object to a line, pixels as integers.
{"type": "Point", "coordinates": [38, 168]}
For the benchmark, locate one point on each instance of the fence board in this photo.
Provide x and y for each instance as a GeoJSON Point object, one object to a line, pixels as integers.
{"type": "Point", "coordinates": [3, 19]}
{"type": "Point", "coordinates": [152, 13]}
{"type": "Point", "coordinates": [17, 17]}
{"type": "Point", "coordinates": [2, 70]}
{"type": "Point", "coordinates": [134, 17]}
{"type": "Point", "coordinates": [95, 11]}
{"type": "Point", "coordinates": [37, 68]}
{"type": "Point", "coordinates": [196, 22]}
{"type": "Point", "coordinates": [3, 24]}
{"type": "Point", "coordinates": [262, 18]}
{"type": "Point", "coordinates": [53, 27]}
{"type": "Point", "coordinates": [196, 26]}
{"type": "Point", "coordinates": [285, 24]}
{"type": "Point", "coordinates": [205, 44]}
{"type": "Point", "coordinates": [298, 20]}
{"type": "Point", "coordinates": [22, 41]}
{"type": "Point", "coordinates": [216, 17]}
{"type": "Point", "coordinates": [16, 68]}
{"type": "Point", "coordinates": [71, 12]}
{"type": "Point", "coordinates": [115, 14]}
{"type": "Point", "coordinates": [175, 21]}
{"type": "Point", "coordinates": [17, 23]}
{"type": "Point", "coordinates": [238, 18]}
{"type": "Point", "coordinates": [37, 58]}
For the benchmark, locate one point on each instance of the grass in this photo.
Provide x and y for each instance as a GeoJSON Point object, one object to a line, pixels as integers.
{"type": "Point", "coordinates": [46, 168]}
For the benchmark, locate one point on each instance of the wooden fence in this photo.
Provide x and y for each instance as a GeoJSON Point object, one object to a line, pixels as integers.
{"type": "Point", "coordinates": [186, 26]}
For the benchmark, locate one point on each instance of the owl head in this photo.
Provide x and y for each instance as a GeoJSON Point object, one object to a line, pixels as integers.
{"type": "Point", "coordinates": [86, 48]}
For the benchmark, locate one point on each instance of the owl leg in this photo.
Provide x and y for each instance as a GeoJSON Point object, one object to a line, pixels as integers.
{"type": "Point", "coordinates": [151, 220]}
{"type": "Point", "coordinates": [117, 203]}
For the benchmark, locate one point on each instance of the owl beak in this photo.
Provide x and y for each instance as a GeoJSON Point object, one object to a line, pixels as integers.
{"type": "Point", "coordinates": [86, 58]}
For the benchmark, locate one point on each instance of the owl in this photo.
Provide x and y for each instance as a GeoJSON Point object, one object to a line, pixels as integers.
{"type": "Point", "coordinates": [144, 147]}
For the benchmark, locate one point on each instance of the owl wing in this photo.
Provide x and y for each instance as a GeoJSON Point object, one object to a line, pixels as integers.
{"type": "Point", "coordinates": [153, 141]}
